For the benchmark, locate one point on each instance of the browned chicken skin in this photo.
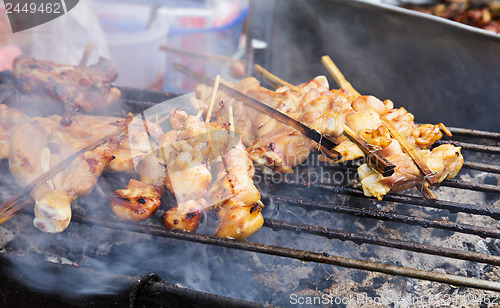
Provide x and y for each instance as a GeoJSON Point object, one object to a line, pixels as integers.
{"type": "Point", "coordinates": [137, 202]}
{"type": "Point", "coordinates": [185, 216]}
{"type": "Point", "coordinates": [89, 87]}
{"type": "Point", "coordinates": [236, 195]}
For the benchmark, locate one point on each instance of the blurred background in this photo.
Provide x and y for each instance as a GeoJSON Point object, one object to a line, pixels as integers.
{"type": "Point", "coordinates": [131, 34]}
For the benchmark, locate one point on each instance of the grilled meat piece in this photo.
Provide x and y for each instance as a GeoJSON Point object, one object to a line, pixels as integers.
{"type": "Point", "coordinates": [239, 221]}
{"type": "Point", "coordinates": [38, 145]}
{"type": "Point", "coordinates": [185, 216]}
{"type": "Point", "coordinates": [137, 202]}
{"type": "Point", "coordinates": [186, 151]}
{"type": "Point", "coordinates": [88, 87]}
{"type": "Point", "coordinates": [445, 160]}
{"type": "Point", "coordinates": [141, 139]}
{"type": "Point", "coordinates": [480, 14]}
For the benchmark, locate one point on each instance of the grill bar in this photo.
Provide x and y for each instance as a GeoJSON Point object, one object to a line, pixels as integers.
{"type": "Point", "coordinates": [387, 216]}
{"type": "Point", "coordinates": [481, 167]}
{"type": "Point", "coordinates": [473, 133]}
{"type": "Point", "coordinates": [453, 207]}
{"type": "Point", "coordinates": [301, 255]}
{"type": "Point", "coordinates": [467, 165]}
{"type": "Point", "coordinates": [472, 186]}
{"type": "Point", "coordinates": [472, 147]}
{"type": "Point", "coordinates": [359, 238]}
{"type": "Point", "coordinates": [452, 182]}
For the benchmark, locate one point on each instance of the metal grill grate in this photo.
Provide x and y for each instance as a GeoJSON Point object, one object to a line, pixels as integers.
{"type": "Point", "coordinates": [138, 99]}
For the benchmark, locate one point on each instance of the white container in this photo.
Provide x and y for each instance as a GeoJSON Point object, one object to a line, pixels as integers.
{"type": "Point", "coordinates": [134, 47]}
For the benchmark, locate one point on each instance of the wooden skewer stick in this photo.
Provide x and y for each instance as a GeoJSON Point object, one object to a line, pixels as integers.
{"type": "Point", "coordinates": [12, 203]}
{"type": "Point", "coordinates": [231, 121]}
{"type": "Point", "coordinates": [426, 192]}
{"type": "Point", "coordinates": [410, 150]}
{"type": "Point", "coordinates": [326, 144]}
{"type": "Point", "coordinates": [338, 76]}
{"type": "Point", "coordinates": [273, 79]}
{"type": "Point", "coordinates": [205, 56]}
{"type": "Point", "coordinates": [86, 54]}
{"type": "Point", "coordinates": [70, 107]}
{"type": "Point", "coordinates": [212, 99]}
{"type": "Point", "coordinates": [14, 210]}
{"type": "Point", "coordinates": [375, 160]}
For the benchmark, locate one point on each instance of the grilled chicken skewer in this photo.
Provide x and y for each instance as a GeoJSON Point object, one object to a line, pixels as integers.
{"type": "Point", "coordinates": [184, 155]}
{"type": "Point", "coordinates": [88, 87]}
{"type": "Point", "coordinates": [400, 139]}
{"type": "Point", "coordinates": [186, 151]}
{"type": "Point", "coordinates": [330, 111]}
{"type": "Point", "coordinates": [41, 143]}
{"type": "Point", "coordinates": [252, 125]}
{"type": "Point", "coordinates": [236, 196]}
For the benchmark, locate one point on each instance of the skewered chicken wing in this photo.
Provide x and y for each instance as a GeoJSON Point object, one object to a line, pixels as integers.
{"type": "Point", "coordinates": [40, 144]}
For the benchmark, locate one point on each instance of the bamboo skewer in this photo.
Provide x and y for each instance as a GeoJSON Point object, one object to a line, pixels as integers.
{"type": "Point", "coordinates": [410, 150]}
{"type": "Point", "coordinates": [429, 176]}
{"type": "Point", "coordinates": [14, 210]}
{"type": "Point", "coordinates": [231, 121]}
{"type": "Point", "coordinates": [375, 160]}
{"type": "Point", "coordinates": [86, 55]}
{"type": "Point", "coordinates": [338, 76]}
{"type": "Point", "coordinates": [445, 130]}
{"type": "Point", "coordinates": [326, 144]}
{"type": "Point", "coordinates": [205, 56]}
{"type": "Point", "coordinates": [273, 79]}
{"type": "Point", "coordinates": [70, 107]}
{"type": "Point", "coordinates": [212, 99]}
